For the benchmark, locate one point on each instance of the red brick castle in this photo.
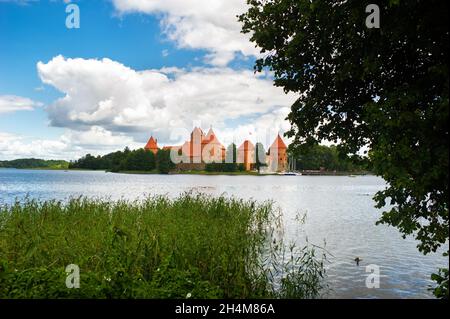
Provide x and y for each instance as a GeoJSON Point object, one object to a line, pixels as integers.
{"type": "Point", "coordinates": [206, 148]}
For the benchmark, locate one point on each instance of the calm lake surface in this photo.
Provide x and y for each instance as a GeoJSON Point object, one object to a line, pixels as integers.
{"type": "Point", "coordinates": [339, 210]}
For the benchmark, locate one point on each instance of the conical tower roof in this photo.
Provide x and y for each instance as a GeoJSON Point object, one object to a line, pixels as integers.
{"type": "Point", "coordinates": [198, 130]}
{"type": "Point", "coordinates": [210, 133]}
{"type": "Point", "coordinates": [211, 137]}
{"type": "Point", "coordinates": [151, 144]}
{"type": "Point", "coordinates": [278, 143]}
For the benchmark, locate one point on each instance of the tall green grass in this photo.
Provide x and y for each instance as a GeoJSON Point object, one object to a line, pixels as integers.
{"type": "Point", "coordinates": [193, 246]}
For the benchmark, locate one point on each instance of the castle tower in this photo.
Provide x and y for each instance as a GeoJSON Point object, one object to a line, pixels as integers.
{"type": "Point", "coordinates": [246, 154]}
{"type": "Point", "coordinates": [197, 137]}
{"type": "Point", "coordinates": [212, 149]}
{"type": "Point", "coordinates": [152, 145]}
{"type": "Point", "coordinates": [277, 158]}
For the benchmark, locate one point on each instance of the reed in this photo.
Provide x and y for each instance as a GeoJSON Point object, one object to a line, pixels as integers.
{"type": "Point", "coordinates": [194, 246]}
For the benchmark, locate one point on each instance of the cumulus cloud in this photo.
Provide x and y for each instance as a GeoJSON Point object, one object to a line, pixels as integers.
{"type": "Point", "coordinates": [71, 145]}
{"type": "Point", "coordinates": [198, 24]}
{"type": "Point", "coordinates": [15, 146]}
{"type": "Point", "coordinates": [98, 139]}
{"type": "Point", "coordinates": [262, 129]}
{"type": "Point", "coordinates": [13, 103]}
{"type": "Point", "coordinates": [107, 94]}
{"type": "Point", "coordinates": [106, 106]}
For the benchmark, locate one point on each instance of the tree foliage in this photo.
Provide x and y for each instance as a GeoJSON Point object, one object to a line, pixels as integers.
{"type": "Point", "coordinates": [317, 157]}
{"type": "Point", "coordinates": [127, 160]}
{"type": "Point", "coordinates": [231, 153]}
{"type": "Point", "coordinates": [163, 161]}
{"type": "Point", "coordinates": [385, 89]}
{"type": "Point", "coordinates": [260, 156]}
{"type": "Point", "coordinates": [34, 163]}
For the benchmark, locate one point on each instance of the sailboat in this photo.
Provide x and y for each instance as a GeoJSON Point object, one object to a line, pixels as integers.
{"type": "Point", "coordinates": [290, 173]}
{"type": "Point", "coordinates": [291, 168]}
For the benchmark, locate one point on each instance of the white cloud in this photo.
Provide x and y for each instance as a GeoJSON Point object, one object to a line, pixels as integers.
{"type": "Point", "coordinates": [6, 137]}
{"type": "Point", "coordinates": [71, 145]}
{"type": "Point", "coordinates": [118, 99]}
{"type": "Point", "coordinates": [261, 129]}
{"type": "Point", "coordinates": [107, 106]}
{"type": "Point", "coordinates": [97, 138]}
{"type": "Point", "coordinates": [13, 103]}
{"type": "Point", "coordinates": [15, 146]}
{"type": "Point", "coordinates": [198, 24]}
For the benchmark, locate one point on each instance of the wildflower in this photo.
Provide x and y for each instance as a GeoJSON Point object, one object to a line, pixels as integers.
{"type": "Point", "coordinates": [189, 295]}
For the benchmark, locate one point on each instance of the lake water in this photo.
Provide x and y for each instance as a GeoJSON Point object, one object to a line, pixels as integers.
{"type": "Point", "coordinates": [339, 210]}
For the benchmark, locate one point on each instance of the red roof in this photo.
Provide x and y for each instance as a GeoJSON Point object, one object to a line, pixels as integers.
{"type": "Point", "coordinates": [151, 144]}
{"type": "Point", "coordinates": [209, 134]}
{"type": "Point", "coordinates": [278, 143]}
{"type": "Point", "coordinates": [211, 138]}
{"type": "Point", "coordinates": [199, 131]}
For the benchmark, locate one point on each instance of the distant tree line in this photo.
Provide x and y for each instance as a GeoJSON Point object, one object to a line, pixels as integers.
{"type": "Point", "coordinates": [34, 163]}
{"type": "Point", "coordinates": [127, 160]}
{"type": "Point", "coordinates": [313, 157]}
{"type": "Point", "coordinates": [321, 157]}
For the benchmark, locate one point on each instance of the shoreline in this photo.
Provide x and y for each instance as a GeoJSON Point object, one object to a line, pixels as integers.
{"type": "Point", "coordinates": [239, 173]}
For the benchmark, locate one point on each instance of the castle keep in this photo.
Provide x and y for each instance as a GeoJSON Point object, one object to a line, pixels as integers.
{"type": "Point", "coordinates": [206, 148]}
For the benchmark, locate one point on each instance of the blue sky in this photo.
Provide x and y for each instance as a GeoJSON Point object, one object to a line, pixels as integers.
{"type": "Point", "coordinates": [200, 66]}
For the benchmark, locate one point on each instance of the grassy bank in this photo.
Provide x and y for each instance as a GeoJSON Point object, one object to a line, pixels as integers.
{"type": "Point", "coordinates": [193, 246]}
{"type": "Point", "coordinates": [34, 163]}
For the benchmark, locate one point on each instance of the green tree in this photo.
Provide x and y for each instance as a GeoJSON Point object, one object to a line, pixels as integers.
{"type": "Point", "coordinates": [231, 159]}
{"type": "Point", "coordinates": [315, 157]}
{"type": "Point", "coordinates": [113, 160]}
{"type": "Point", "coordinates": [260, 156]}
{"type": "Point", "coordinates": [88, 162]}
{"type": "Point", "coordinates": [163, 161]}
{"type": "Point", "coordinates": [139, 160]}
{"type": "Point", "coordinates": [35, 163]}
{"type": "Point", "coordinates": [148, 160]}
{"type": "Point", "coordinates": [231, 153]}
{"type": "Point", "coordinates": [382, 88]}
